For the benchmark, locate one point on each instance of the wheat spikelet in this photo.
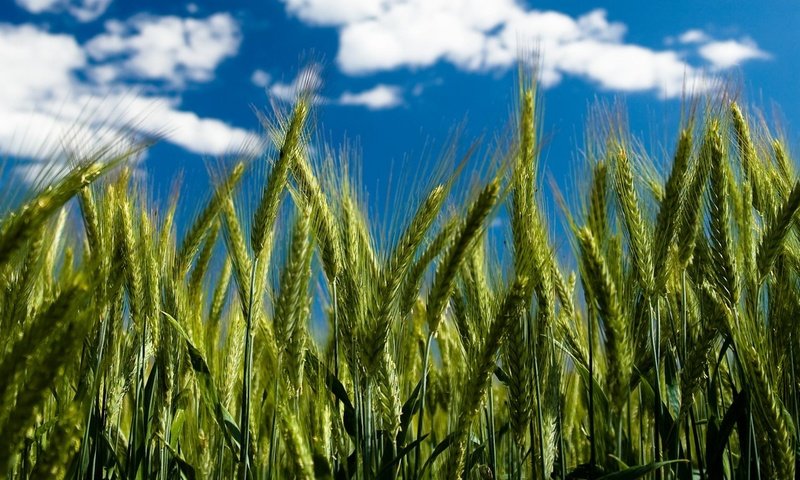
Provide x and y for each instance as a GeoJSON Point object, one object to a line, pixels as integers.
{"type": "Point", "coordinates": [267, 210]}
{"type": "Point", "coordinates": [301, 461]}
{"type": "Point", "coordinates": [323, 221]}
{"type": "Point", "coordinates": [237, 248]}
{"type": "Point", "coordinates": [444, 279]}
{"type": "Point", "coordinates": [197, 231]}
{"type": "Point", "coordinates": [18, 226]}
{"type": "Point", "coordinates": [597, 217]}
{"type": "Point", "coordinates": [388, 394]}
{"type": "Point", "coordinates": [291, 309]}
{"type": "Point", "coordinates": [778, 433]}
{"type": "Point", "coordinates": [785, 170]}
{"type": "Point", "coordinates": [603, 291]}
{"type": "Point", "coordinates": [719, 219]}
{"type": "Point", "coordinates": [195, 286]}
{"type": "Point", "coordinates": [220, 294]}
{"type": "Point", "coordinates": [517, 361]}
{"type": "Point", "coordinates": [638, 236]}
{"type": "Point", "coordinates": [749, 159]}
{"type": "Point", "coordinates": [775, 236]}
{"type": "Point", "coordinates": [127, 246]}
{"type": "Point", "coordinates": [410, 289]}
{"type": "Point", "coordinates": [45, 352]}
{"type": "Point", "coordinates": [672, 206]}
{"type": "Point", "coordinates": [480, 375]}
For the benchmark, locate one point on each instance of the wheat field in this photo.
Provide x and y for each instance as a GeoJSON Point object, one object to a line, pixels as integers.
{"type": "Point", "coordinates": [279, 335]}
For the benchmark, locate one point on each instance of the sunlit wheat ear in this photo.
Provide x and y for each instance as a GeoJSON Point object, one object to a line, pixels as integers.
{"type": "Point", "coordinates": [323, 220]}
{"type": "Point", "coordinates": [748, 158]}
{"type": "Point", "coordinates": [719, 217]}
{"type": "Point", "coordinates": [194, 236]}
{"type": "Point", "coordinates": [639, 236]}
{"type": "Point", "coordinates": [413, 282]}
{"type": "Point", "coordinates": [603, 291]}
{"type": "Point", "coordinates": [776, 234]}
{"type": "Point", "coordinates": [597, 209]}
{"type": "Point", "coordinates": [523, 181]}
{"type": "Point", "coordinates": [517, 362]}
{"type": "Point", "coordinates": [291, 145]}
{"type": "Point", "coordinates": [19, 225]}
{"type": "Point", "coordinates": [480, 371]}
{"type": "Point", "coordinates": [672, 207]}
{"type": "Point", "coordinates": [785, 167]}
{"type": "Point", "coordinates": [390, 404]}
{"type": "Point", "coordinates": [203, 260]}
{"type": "Point", "coordinates": [237, 248]}
{"type": "Point", "coordinates": [391, 278]}
{"type": "Point", "coordinates": [129, 252]}
{"type": "Point", "coordinates": [690, 219]}
{"type": "Point", "coordinates": [301, 462]}
{"type": "Point", "coordinates": [472, 227]}
{"type": "Point", "coordinates": [291, 309]}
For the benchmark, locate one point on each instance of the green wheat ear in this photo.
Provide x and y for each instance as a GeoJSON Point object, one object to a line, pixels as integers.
{"type": "Point", "coordinates": [721, 242]}
{"type": "Point", "coordinates": [35, 361]}
{"type": "Point", "coordinates": [638, 235]}
{"type": "Point", "coordinates": [481, 369]}
{"type": "Point", "coordinates": [197, 231]}
{"type": "Point", "coordinates": [777, 231]}
{"type": "Point", "coordinates": [18, 226]}
{"type": "Point", "coordinates": [603, 291]}
{"type": "Point", "coordinates": [473, 225]}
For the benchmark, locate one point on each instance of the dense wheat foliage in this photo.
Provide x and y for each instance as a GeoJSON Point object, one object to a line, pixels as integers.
{"type": "Point", "coordinates": [280, 335]}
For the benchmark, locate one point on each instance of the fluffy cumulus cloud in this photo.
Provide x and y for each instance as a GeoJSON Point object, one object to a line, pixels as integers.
{"type": "Point", "coordinates": [48, 101]}
{"type": "Point", "coordinates": [83, 10]}
{"type": "Point", "coordinates": [260, 78]}
{"type": "Point", "coordinates": [335, 12]}
{"type": "Point", "coordinates": [376, 98]}
{"type": "Point", "coordinates": [693, 36]}
{"type": "Point", "coordinates": [719, 54]}
{"type": "Point", "coordinates": [729, 53]}
{"type": "Point", "coordinates": [171, 49]}
{"type": "Point", "coordinates": [477, 35]}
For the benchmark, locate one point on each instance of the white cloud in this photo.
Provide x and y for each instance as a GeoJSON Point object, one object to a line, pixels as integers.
{"type": "Point", "coordinates": [46, 103]}
{"type": "Point", "coordinates": [171, 49]}
{"type": "Point", "coordinates": [334, 12]}
{"type": "Point", "coordinates": [260, 78]}
{"type": "Point", "coordinates": [622, 67]}
{"type": "Point", "coordinates": [419, 33]}
{"type": "Point", "coordinates": [35, 62]}
{"type": "Point", "coordinates": [693, 36]}
{"type": "Point", "coordinates": [83, 10]}
{"type": "Point", "coordinates": [478, 35]}
{"type": "Point", "coordinates": [38, 6]}
{"type": "Point", "coordinates": [379, 97]}
{"type": "Point", "coordinates": [729, 53]}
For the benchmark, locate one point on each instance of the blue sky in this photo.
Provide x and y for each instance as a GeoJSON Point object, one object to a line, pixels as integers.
{"type": "Point", "coordinates": [396, 75]}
